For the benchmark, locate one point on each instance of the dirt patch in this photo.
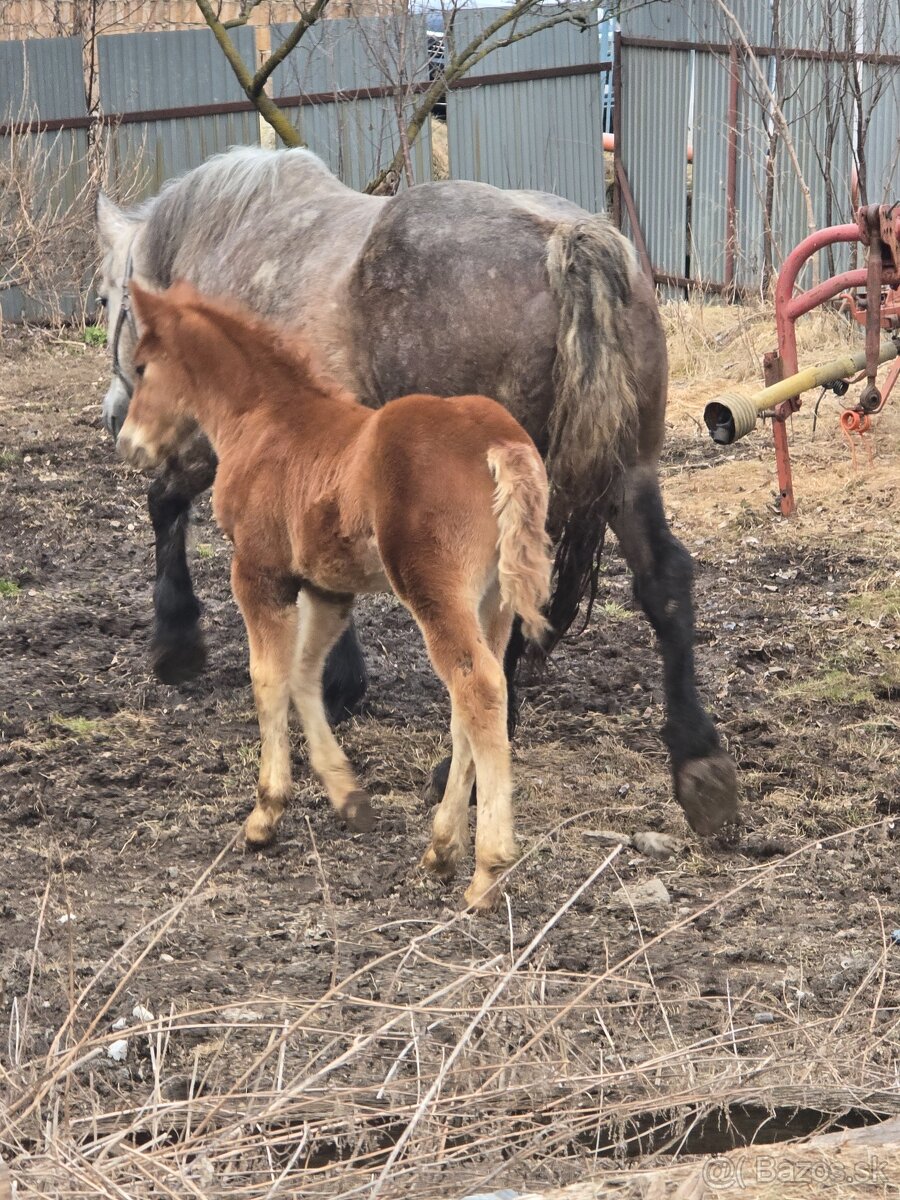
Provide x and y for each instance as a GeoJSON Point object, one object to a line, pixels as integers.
{"type": "Point", "coordinates": [327, 983]}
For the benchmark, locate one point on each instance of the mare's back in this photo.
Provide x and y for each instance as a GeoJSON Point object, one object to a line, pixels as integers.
{"type": "Point", "coordinates": [450, 295]}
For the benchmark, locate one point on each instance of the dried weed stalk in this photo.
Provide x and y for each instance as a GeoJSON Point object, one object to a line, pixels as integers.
{"type": "Point", "coordinates": [424, 1072]}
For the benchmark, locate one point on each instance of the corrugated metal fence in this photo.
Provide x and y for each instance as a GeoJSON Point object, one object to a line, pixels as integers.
{"type": "Point", "coordinates": [542, 130]}
{"type": "Point", "coordinates": [39, 81]}
{"type": "Point", "coordinates": [772, 115]}
{"type": "Point", "coordinates": [530, 115]}
{"type": "Point", "coordinates": [533, 119]}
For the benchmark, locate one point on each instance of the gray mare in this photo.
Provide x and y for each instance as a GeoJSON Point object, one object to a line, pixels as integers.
{"type": "Point", "coordinates": [447, 288]}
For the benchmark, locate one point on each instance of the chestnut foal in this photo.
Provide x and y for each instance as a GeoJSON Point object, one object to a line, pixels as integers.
{"type": "Point", "coordinates": [443, 501]}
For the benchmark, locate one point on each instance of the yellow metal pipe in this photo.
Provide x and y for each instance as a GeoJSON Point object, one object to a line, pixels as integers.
{"type": "Point", "coordinates": [732, 416]}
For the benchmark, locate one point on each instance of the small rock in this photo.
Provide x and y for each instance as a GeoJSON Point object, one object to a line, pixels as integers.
{"type": "Point", "coordinates": [895, 936]}
{"type": "Point", "coordinates": [142, 1014]}
{"type": "Point", "coordinates": [761, 845]}
{"type": "Point", "coordinates": [503, 1194]}
{"type": "Point", "coordinates": [120, 1024]}
{"type": "Point", "coordinates": [764, 1018]}
{"type": "Point", "coordinates": [118, 1051]}
{"type": "Point", "coordinates": [642, 895]}
{"type": "Point", "coordinates": [608, 837]}
{"type": "Point", "coordinates": [166, 958]}
{"type": "Point", "coordinates": [242, 1014]}
{"type": "Point", "coordinates": [655, 845]}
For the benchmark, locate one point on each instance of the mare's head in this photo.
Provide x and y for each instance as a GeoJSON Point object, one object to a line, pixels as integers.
{"type": "Point", "coordinates": [164, 361]}
{"type": "Point", "coordinates": [116, 233]}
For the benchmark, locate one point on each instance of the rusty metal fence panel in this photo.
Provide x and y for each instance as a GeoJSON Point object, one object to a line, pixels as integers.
{"type": "Point", "coordinates": [361, 62]}
{"type": "Point", "coordinates": [818, 109]}
{"type": "Point", "coordinates": [655, 97]}
{"type": "Point", "coordinates": [42, 81]}
{"type": "Point", "coordinates": [543, 130]}
{"type": "Point", "coordinates": [747, 205]}
{"type": "Point", "coordinates": [144, 74]}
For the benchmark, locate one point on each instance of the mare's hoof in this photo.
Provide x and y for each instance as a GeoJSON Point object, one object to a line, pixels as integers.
{"type": "Point", "coordinates": [179, 660]}
{"type": "Point", "coordinates": [437, 785]}
{"type": "Point", "coordinates": [358, 812]}
{"type": "Point", "coordinates": [706, 789]}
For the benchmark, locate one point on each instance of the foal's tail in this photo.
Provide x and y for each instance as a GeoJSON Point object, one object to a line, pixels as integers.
{"type": "Point", "coordinates": [520, 506]}
{"type": "Point", "coordinates": [594, 421]}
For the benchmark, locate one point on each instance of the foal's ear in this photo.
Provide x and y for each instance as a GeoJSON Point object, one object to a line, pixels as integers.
{"type": "Point", "coordinates": [182, 292]}
{"type": "Point", "coordinates": [147, 305]}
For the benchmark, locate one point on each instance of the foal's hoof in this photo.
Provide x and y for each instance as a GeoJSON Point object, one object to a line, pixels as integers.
{"type": "Point", "coordinates": [178, 660]}
{"type": "Point", "coordinates": [437, 785]}
{"type": "Point", "coordinates": [481, 897]}
{"type": "Point", "coordinates": [706, 789]}
{"type": "Point", "coordinates": [442, 861]}
{"type": "Point", "coordinates": [259, 830]}
{"type": "Point", "coordinates": [358, 812]}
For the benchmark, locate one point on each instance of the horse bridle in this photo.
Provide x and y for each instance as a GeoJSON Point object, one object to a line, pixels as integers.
{"type": "Point", "coordinates": [124, 314]}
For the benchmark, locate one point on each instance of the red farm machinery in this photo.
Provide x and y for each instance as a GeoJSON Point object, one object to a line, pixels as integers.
{"type": "Point", "coordinates": [871, 295]}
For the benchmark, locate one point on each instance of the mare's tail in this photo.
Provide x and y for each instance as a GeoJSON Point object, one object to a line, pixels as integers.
{"type": "Point", "coordinates": [520, 506]}
{"type": "Point", "coordinates": [594, 422]}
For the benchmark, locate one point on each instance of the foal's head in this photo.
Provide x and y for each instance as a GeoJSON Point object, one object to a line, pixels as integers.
{"type": "Point", "coordinates": [167, 364]}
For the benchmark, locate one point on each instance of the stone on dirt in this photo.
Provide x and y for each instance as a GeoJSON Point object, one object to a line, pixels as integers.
{"type": "Point", "coordinates": [651, 893]}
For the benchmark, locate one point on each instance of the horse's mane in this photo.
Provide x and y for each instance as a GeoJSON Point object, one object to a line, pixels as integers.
{"type": "Point", "coordinates": [214, 198]}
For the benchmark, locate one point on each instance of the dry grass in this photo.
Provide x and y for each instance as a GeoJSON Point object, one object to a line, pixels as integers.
{"type": "Point", "coordinates": [359, 1092]}
{"type": "Point", "coordinates": [714, 349]}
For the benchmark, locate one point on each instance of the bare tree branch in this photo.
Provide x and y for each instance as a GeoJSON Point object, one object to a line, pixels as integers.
{"type": "Point", "coordinates": [307, 20]}
{"type": "Point", "coordinates": [255, 91]}
{"type": "Point", "coordinates": [460, 64]}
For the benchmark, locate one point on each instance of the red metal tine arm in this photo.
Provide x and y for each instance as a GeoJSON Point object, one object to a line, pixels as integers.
{"type": "Point", "coordinates": [789, 307]}
{"type": "Point", "coordinates": [870, 225]}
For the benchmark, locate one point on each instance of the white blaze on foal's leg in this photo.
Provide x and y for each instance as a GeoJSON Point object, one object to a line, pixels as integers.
{"type": "Point", "coordinates": [272, 633]}
{"type": "Point", "coordinates": [322, 621]}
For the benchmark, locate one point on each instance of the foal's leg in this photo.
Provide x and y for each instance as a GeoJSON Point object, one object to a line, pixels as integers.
{"type": "Point", "coordinates": [269, 607]}
{"type": "Point", "coordinates": [450, 829]}
{"type": "Point", "coordinates": [322, 620]}
{"type": "Point", "coordinates": [705, 776]}
{"type": "Point", "coordinates": [511, 654]}
{"type": "Point", "coordinates": [473, 674]}
{"type": "Point", "coordinates": [177, 648]}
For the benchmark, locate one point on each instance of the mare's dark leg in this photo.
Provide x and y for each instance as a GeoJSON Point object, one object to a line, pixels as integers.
{"type": "Point", "coordinates": [345, 679]}
{"type": "Point", "coordinates": [177, 648]}
{"type": "Point", "coordinates": [515, 648]}
{"type": "Point", "coordinates": [704, 775]}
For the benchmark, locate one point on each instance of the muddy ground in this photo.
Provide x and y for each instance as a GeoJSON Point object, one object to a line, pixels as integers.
{"type": "Point", "coordinates": [118, 792]}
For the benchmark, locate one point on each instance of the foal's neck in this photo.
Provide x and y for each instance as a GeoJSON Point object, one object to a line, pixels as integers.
{"type": "Point", "coordinates": [239, 376]}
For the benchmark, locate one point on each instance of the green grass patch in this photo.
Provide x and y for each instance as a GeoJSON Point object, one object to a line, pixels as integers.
{"type": "Point", "coordinates": [614, 612]}
{"type": "Point", "coordinates": [834, 687]}
{"type": "Point", "coordinates": [9, 587]}
{"type": "Point", "coordinates": [9, 458]}
{"type": "Point", "coordinates": [872, 606]}
{"type": "Point", "coordinates": [841, 687]}
{"type": "Point", "coordinates": [204, 550]}
{"type": "Point", "coordinates": [82, 727]}
{"type": "Point", "coordinates": [95, 335]}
